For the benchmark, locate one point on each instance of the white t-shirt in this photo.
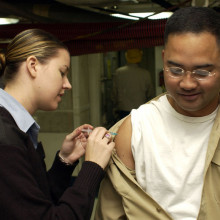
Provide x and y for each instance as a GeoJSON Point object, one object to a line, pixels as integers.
{"type": "Point", "coordinates": [169, 150]}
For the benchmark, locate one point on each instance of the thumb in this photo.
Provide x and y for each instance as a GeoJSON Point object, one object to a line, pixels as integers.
{"type": "Point", "coordinates": [73, 134]}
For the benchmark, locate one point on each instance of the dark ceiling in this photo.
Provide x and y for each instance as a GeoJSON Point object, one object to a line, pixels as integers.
{"type": "Point", "coordinates": [87, 11]}
{"type": "Point", "coordinates": [86, 25]}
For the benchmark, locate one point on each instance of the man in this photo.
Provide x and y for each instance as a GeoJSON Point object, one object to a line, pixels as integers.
{"type": "Point", "coordinates": [132, 84]}
{"type": "Point", "coordinates": [167, 159]}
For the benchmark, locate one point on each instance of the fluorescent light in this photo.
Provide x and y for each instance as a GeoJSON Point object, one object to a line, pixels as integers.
{"type": "Point", "coordinates": [8, 21]}
{"type": "Point", "coordinates": [124, 16]}
{"type": "Point", "coordinates": [161, 15]}
{"type": "Point", "coordinates": [141, 14]}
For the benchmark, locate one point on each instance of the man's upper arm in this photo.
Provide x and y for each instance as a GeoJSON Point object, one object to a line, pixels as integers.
{"type": "Point", "coordinates": [123, 143]}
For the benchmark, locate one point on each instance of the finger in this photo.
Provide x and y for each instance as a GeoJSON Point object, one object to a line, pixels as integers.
{"type": "Point", "coordinates": [111, 145]}
{"type": "Point", "coordinates": [73, 134]}
{"type": "Point", "coordinates": [86, 129]}
{"type": "Point", "coordinates": [86, 126]}
{"type": "Point", "coordinates": [77, 131]}
{"type": "Point", "coordinates": [98, 132]}
{"type": "Point", "coordinates": [108, 137]}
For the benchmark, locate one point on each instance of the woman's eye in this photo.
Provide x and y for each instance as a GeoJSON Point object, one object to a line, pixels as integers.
{"type": "Point", "coordinates": [62, 73]}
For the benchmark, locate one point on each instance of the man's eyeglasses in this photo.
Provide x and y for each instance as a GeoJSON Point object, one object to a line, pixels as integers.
{"type": "Point", "coordinates": [199, 74]}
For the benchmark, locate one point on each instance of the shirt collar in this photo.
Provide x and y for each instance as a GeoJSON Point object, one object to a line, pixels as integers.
{"type": "Point", "coordinates": [21, 116]}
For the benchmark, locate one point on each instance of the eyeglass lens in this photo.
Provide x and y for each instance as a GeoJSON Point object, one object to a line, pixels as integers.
{"type": "Point", "coordinates": [179, 72]}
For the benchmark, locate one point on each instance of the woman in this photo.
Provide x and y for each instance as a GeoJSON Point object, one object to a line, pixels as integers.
{"type": "Point", "coordinates": [35, 68]}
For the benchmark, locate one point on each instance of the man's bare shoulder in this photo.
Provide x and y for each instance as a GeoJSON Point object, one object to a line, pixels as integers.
{"type": "Point", "coordinates": [123, 143]}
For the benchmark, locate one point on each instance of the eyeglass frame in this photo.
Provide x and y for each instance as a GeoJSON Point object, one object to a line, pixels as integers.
{"type": "Point", "coordinates": [192, 73]}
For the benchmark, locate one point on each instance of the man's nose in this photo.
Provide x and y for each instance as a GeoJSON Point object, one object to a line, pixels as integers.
{"type": "Point", "coordinates": [188, 82]}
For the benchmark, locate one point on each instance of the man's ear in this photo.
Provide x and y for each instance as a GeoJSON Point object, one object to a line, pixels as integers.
{"type": "Point", "coordinates": [32, 66]}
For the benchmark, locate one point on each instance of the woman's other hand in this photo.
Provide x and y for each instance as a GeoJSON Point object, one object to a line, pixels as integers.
{"type": "Point", "coordinates": [74, 144]}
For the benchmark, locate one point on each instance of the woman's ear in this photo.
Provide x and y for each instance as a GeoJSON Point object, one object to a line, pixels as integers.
{"type": "Point", "coordinates": [163, 54]}
{"type": "Point", "coordinates": [32, 67]}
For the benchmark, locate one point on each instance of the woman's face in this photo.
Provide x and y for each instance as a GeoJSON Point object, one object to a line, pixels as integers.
{"type": "Point", "coordinates": [53, 81]}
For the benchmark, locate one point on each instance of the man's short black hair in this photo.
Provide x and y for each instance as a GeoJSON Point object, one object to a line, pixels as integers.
{"type": "Point", "coordinates": [194, 20]}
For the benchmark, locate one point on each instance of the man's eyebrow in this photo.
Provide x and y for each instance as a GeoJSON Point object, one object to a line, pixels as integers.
{"type": "Point", "coordinates": [174, 63]}
{"type": "Point", "coordinates": [204, 66]}
{"type": "Point", "coordinates": [194, 67]}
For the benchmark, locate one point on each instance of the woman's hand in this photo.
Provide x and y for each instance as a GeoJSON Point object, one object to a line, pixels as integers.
{"type": "Point", "coordinates": [74, 145]}
{"type": "Point", "coordinates": [99, 147]}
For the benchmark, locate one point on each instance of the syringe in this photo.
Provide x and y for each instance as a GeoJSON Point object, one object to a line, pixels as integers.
{"type": "Point", "coordinates": [88, 130]}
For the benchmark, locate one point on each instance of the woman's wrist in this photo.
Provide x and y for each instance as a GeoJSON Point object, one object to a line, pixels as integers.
{"type": "Point", "coordinates": [63, 160]}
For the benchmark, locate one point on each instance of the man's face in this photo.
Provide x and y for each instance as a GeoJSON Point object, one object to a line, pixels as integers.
{"type": "Point", "coordinates": [190, 51]}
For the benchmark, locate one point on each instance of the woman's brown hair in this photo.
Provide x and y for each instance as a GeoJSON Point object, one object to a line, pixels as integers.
{"type": "Point", "coordinates": [36, 42]}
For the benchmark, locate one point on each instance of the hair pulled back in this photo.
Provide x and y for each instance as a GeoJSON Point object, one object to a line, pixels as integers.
{"type": "Point", "coordinates": [2, 61]}
{"type": "Point", "coordinates": [31, 42]}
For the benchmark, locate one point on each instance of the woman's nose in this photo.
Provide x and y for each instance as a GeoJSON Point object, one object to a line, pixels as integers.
{"type": "Point", "coordinates": [66, 84]}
